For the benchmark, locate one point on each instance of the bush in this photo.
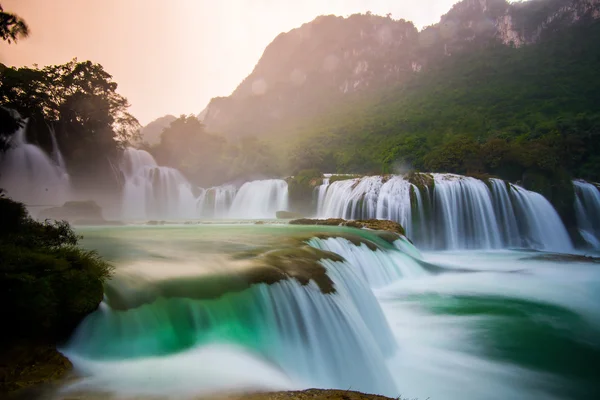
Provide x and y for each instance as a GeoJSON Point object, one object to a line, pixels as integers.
{"type": "Point", "coordinates": [47, 283]}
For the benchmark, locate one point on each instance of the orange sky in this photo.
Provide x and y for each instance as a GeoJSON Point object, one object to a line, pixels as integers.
{"type": "Point", "coordinates": [172, 57]}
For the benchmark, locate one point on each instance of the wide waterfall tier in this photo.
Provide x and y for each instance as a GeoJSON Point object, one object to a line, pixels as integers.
{"type": "Point", "coordinates": [451, 212]}
{"type": "Point", "coordinates": [157, 192]}
{"type": "Point", "coordinates": [587, 212]}
{"type": "Point", "coordinates": [31, 176]}
{"type": "Point", "coordinates": [283, 331]}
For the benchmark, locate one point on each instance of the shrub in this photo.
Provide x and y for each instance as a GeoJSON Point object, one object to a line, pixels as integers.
{"type": "Point", "coordinates": [47, 283]}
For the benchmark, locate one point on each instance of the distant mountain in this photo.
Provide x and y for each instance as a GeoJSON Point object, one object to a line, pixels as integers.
{"type": "Point", "coordinates": [151, 132]}
{"type": "Point", "coordinates": [330, 61]}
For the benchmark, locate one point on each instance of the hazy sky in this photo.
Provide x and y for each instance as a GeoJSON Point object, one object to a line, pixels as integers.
{"type": "Point", "coordinates": [172, 57]}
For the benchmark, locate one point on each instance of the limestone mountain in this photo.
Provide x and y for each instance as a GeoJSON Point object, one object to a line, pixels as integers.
{"type": "Point", "coordinates": [334, 60]}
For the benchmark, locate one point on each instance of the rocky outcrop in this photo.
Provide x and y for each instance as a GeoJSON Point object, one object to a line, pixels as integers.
{"type": "Point", "coordinates": [303, 71]}
{"type": "Point", "coordinates": [374, 224]}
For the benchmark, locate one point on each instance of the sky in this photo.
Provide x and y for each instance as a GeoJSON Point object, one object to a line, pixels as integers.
{"type": "Point", "coordinates": [172, 57]}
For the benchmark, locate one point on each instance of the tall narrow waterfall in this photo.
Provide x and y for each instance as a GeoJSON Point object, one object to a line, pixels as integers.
{"type": "Point", "coordinates": [29, 175]}
{"type": "Point", "coordinates": [587, 212]}
{"type": "Point", "coordinates": [456, 212]}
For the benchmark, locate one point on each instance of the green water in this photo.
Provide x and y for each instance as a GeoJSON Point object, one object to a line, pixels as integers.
{"type": "Point", "coordinates": [471, 325]}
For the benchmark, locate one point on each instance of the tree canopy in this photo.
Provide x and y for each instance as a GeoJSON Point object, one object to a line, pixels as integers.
{"type": "Point", "coordinates": [79, 101]}
{"type": "Point", "coordinates": [12, 27]}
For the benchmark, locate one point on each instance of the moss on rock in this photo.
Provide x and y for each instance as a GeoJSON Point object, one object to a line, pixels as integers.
{"type": "Point", "coordinates": [420, 180]}
{"type": "Point", "coordinates": [374, 224]}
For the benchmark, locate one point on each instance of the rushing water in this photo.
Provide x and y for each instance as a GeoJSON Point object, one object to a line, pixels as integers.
{"type": "Point", "coordinates": [153, 192]}
{"type": "Point", "coordinates": [448, 325]}
{"type": "Point", "coordinates": [587, 211]}
{"type": "Point", "coordinates": [457, 212]}
{"type": "Point", "coordinates": [450, 212]}
{"type": "Point", "coordinates": [28, 174]}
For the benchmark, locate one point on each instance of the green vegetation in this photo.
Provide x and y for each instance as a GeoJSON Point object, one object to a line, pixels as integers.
{"type": "Point", "coordinates": [501, 110]}
{"type": "Point", "coordinates": [301, 189]}
{"type": "Point", "coordinates": [79, 102]}
{"type": "Point", "coordinates": [515, 113]}
{"type": "Point", "coordinates": [47, 286]}
{"type": "Point", "coordinates": [210, 159]}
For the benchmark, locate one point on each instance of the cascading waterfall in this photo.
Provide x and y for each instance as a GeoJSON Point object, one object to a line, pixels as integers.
{"type": "Point", "coordinates": [393, 202]}
{"type": "Point", "coordinates": [216, 201]}
{"type": "Point", "coordinates": [29, 175]}
{"type": "Point", "coordinates": [457, 213]}
{"type": "Point", "coordinates": [153, 192]}
{"type": "Point", "coordinates": [397, 323]}
{"type": "Point", "coordinates": [260, 199]}
{"type": "Point", "coordinates": [340, 340]}
{"type": "Point", "coordinates": [539, 223]}
{"type": "Point", "coordinates": [351, 198]}
{"type": "Point", "coordinates": [587, 212]}
{"type": "Point", "coordinates": [378, 268]}
{"type": "Point", "coordinates": [463, 209]}
{"type": "Point", "coordinates": [156, 192]}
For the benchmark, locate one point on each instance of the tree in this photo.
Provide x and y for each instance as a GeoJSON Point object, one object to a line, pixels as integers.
{"type": "Point", "coordinates": [80, 102]}
{"type": "Point", "coordinates": [12, 27]}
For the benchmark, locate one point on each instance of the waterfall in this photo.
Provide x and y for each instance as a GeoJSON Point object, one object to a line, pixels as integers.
{"type": "Point", "coordinates": [465, 216]}
{"type": "Point", "coordinates": [457, 212]}
{"type": "Point", "coordinates": [378, 268]}
{"type": "Point", "coordinates": [340, 340]}
{"type": "Point", "coordinates": [322, 189]}
{"type": "Point", "coordinates": [351, 198]}
{"type": "Point", "coordinates": [154, 192]}
{"type": "Point", "coordinates": [260, 199]}
{"type": "Point", "coordinates": [540, 225]}
{"type": "Point", "coordinates": [216, 201]}
{"type": "Point", "coordinates": [393, 202]}
{"type": "Point", "coordinates": [157, 192]}
{"type": "Point", "coordinates": [587, 212]}
{"type": "Point", "coordinates": [29, 175]}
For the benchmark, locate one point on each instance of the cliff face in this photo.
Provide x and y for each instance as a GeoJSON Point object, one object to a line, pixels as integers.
{"type": "Point", "coordinates": [314, 65]}
{"type": "Point", "coordinates": [310, 69]}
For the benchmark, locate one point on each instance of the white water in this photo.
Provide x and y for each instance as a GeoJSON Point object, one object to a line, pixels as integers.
{"type": "Point", "coordinates": [260, 199]}
{"type": "Point", "coordinates": [278, 336]}
{"type": "Point", "coordinates": [156, 192]}
{"type": "Point", "coordinates": [29, 175]}
{"type": "Point", "coordinates": [465, 213]}
{"type": "Point", "coordinates": [541, 226]}
{"type": "Point", "coordinates": [461, 212]}
{"type": "Point", "coordinates": [587, 212]}
{"type": "Point", "coordinates": [466, 331]}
